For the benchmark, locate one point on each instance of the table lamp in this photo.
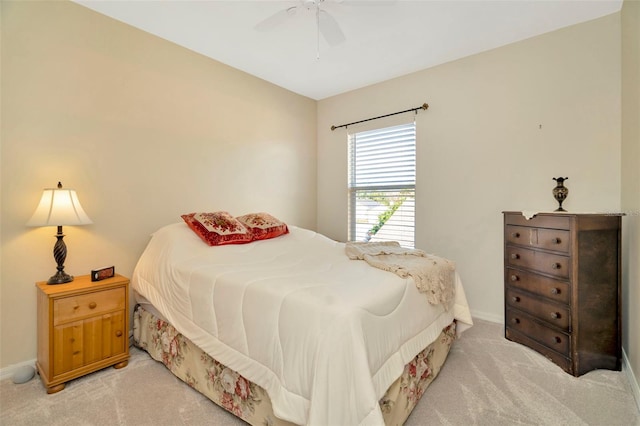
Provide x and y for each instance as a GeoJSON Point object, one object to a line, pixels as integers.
{"type": "Point", "coordinates": [59, 207]}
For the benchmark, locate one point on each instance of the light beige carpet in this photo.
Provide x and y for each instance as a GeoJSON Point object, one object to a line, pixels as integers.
{"type": "Point", "coordinates": [486, 380]}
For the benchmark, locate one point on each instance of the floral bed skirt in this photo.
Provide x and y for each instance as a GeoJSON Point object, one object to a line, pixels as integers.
{"type": "Point", "coordinates": [249, 401]}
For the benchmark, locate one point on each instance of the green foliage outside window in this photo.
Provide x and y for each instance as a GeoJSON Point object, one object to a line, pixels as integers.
{"type": "Point", "coordinates": [393, 204]}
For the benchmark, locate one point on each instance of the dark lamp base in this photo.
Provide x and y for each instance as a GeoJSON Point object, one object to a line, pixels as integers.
{"type": "Point", "coordinates": [60, 254]}
{"type": "Point", "coordinates": [60, 278]}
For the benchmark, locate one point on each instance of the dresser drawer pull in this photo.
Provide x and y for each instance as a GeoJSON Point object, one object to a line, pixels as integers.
{"type": "Point", "coordinates": [555, 315]}
{"type": "Point", "coordinates": [514, 277]}
{"type": "Point", "coordinates": [515, 234]}
{"type": "Point", "coordinates": [515, 299]}
{"type": "Point", "coordinates": [557, 339]}
{"type": "Point", "coordinates": [556, 240]}
{"type": "Point", "coordinates": [118, 333]}
{"type": "Point", "coordinates": [556, 266]}
{"type": "Point", "coordinates": [555, 290]}
{"type": "Point", "coordinates": [92, 305]}
{"type": "Point", "coordinates": [515, 256]}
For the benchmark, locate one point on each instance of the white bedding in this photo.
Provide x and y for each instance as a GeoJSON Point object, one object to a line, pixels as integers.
{"type": "Point", "coordinates": [324, 335]}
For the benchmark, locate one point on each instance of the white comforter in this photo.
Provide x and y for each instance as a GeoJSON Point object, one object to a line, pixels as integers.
{"type": "Point", "coordinates": [324, 335]}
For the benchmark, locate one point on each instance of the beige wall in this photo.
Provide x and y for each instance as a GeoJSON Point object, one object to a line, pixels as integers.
{"type": "Point", "coordinates": [500, 125]}
{"type": "Point", "coordinates": [144, 131]}
{"type": "Point", "coordinates": [631, 183]}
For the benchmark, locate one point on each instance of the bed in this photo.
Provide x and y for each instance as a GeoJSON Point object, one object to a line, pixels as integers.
{"type": "Point", "coordinates": [288, 329]}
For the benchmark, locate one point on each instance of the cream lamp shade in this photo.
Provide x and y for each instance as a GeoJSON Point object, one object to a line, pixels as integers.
{"type": "Point", "coordinates": [59, 206]}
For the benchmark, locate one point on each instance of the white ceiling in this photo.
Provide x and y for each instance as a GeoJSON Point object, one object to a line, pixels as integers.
{"type": "Point", "coordinates": [384, 39]}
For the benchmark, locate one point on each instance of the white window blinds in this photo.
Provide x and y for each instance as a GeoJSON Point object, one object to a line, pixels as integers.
{"type": "Point", "coordinates": [382, 181]}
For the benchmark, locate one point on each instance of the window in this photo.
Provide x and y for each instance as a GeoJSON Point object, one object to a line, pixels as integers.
{"type": "Point", "coordinates": [382, 183]}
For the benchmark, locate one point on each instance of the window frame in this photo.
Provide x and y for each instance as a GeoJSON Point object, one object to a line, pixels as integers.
{"type": "Point", "coordinates": [395, 181]}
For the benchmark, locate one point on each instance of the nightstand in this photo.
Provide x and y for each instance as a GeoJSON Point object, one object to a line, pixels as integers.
{"type": "Point", "coordinates": [82, 327]}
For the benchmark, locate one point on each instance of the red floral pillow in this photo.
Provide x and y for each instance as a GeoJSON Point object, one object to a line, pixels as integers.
{"type": "Point", "coordinates": [263, 226]}
{"type": "Point", "coordinates": [217, 228]}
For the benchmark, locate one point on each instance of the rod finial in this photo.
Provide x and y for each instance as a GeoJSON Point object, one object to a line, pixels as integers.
{"type": "Point", "coordinates": [333, 128]}
{"type": "Point", "coordinates": [425, 106]}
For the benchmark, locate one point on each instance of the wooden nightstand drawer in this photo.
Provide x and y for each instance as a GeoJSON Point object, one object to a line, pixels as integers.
{"type": "Point", "coordinates": [73, 308]}
{"type": "Point", "coordinates": [547, 239]}
{"type": "Point", "coordinates": [81, 343]}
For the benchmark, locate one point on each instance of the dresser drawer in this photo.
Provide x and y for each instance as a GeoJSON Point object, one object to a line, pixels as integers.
{"type": "Point", "coordinates": [73, 308]}
{"type": "Point", "coordinates": [550, 338]}
{"type": "Point", "coordinates": [539, 284]}
{"type": "Point", "coordinates": [563, 361]}
{"type": "Point", "coordinates": [547, 263]}
{"type": "Point", "coordinates": [548, 312]}
{"type": "Point", "coordinates": [548, 239]}
{"type": "Point", "coordinates": [539, 221]}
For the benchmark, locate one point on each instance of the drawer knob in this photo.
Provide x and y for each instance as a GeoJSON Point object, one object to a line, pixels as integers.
{"type": "Point", "coordinates": [92, 305]}
{"type": "Point", "coordinates": [557, 339]}
{"type": "Point", "coordinates": [118, 333]}
{"type": "Point", "coordinates": [514, 277]}
{"type": "Point", "coordinates": [556, 241]}
{"type": "Point", "coordinates": [556, 266]}
{"type": "Point", "coordinates": [515, 235]}
{"type": "Point", "coordinates": [555, 315]}
{"type": "Point", "coordinates": [515, 320]}
{"type": "Point", "coordinates": [555, 290]}
{"type": "Point", "coordinates": [515, 299]}
{"type": "Point", "coordinates": [515, 256]}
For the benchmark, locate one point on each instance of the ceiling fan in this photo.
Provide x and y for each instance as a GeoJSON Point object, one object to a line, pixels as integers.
{"type": "Point", "coordinates": [325, 23]}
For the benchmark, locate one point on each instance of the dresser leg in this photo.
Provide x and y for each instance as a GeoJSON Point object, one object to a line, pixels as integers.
{"type": "Point", "coordinates": [56, 388]}
{"type": "Point", "coordinates": [121, 365]}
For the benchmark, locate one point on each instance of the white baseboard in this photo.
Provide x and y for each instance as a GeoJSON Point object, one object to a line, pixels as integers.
{"type": "Point", "coordinates": [487, 316]}
{"type": "Point", "coordinates": [8, 372]}
{"type": "Point", "coordinates": [633, 381]}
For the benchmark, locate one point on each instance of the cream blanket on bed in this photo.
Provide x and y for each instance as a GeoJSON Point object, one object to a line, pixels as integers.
{"type": "Point", "coordinates": [433, 275]}
{"type": "Point", "coordinates": [324, 335]}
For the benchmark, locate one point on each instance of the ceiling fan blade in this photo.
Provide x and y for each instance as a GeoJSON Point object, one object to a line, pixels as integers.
{"type": "Point", "coordinates": [330, 29]}
{"type": "Point", "coordinates": [276, 19]}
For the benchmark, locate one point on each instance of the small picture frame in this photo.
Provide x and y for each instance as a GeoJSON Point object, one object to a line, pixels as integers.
{"type": "Point", "coordinates": [103, 273]}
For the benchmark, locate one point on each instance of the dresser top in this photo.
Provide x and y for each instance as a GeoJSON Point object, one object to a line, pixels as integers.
{"type": "Point", "coordinates": [530, 213]}
{"type": "Point", "coordinates": [81, 283]}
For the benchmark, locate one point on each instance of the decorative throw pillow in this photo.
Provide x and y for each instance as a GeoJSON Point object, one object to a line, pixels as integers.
{"type": "Point", "coordinates": [263, 226]}
{"type": "Point", "coordinates": [217, 228]}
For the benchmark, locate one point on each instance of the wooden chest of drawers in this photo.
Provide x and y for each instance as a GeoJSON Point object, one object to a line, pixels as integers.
{"type": "Point", "coordinates": [562, 288]}
{"type": "Point", "coordinates": [82, 327]}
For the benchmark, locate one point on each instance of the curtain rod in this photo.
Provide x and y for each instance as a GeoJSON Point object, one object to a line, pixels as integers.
{"type": "Point", "coordinates": [423, 106]}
